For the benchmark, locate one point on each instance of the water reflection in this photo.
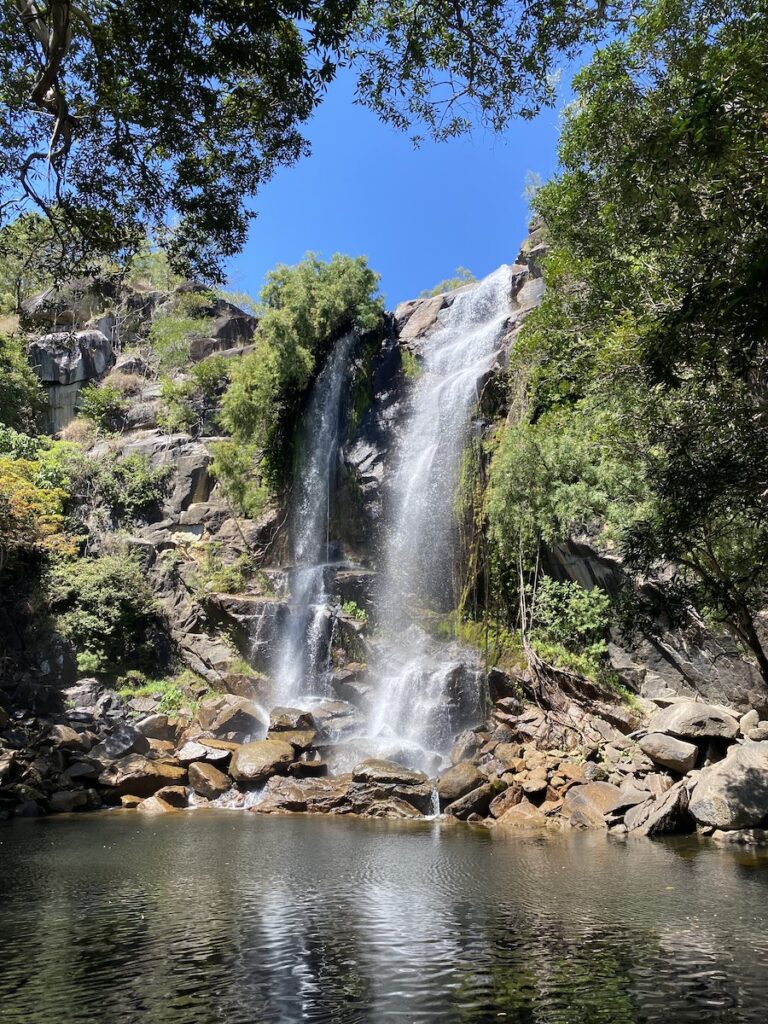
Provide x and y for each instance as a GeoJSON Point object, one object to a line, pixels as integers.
{"type": "Point", "coordinates": [197, 918]}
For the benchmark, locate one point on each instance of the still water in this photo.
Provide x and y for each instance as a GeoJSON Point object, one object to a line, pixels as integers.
{"type": "Point", "coordinates": [201, 917]}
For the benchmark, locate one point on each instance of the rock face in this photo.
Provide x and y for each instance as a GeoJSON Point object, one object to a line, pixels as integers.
{"type": "Point", "coordinates": [207, 781]}
{"type": "Point", "coordinates": [733, 794]}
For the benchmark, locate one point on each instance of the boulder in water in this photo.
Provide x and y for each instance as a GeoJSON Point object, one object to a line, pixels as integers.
{"type": "Point", "coordinates": [257, 762]}
{"type": "Point", "coordinates": [587, 805]}
{"type": "Point", "coordinates": [377, 770]}
{"type": "Point", "coordinates": [207, 781]}
{"type": "Point", "coordinates": [457, 782]}
{"type": "Point", "coordinates": [733, 794]}
{"type": "Point", "coordinates": [136, 775]}
{"type": "Point", "coordinates": [315, 796]}
{"type": "Point", "coordinates": [661, 815]}
{"type": "Point", "coordinates": [477, 801]}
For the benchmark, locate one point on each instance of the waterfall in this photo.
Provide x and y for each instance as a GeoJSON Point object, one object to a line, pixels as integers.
{"type": "Point", "coordinates": [419, 695]}
{"type": "Point", "coordinates": [302, 648]}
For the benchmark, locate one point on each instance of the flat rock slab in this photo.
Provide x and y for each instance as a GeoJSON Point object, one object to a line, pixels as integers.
{"type": "Point", "coordinates": [669, 752]}
{"type": "Point", "coordinates": [388, 772]}
{"type": "Point", "coordinates": [691, 720]}
{"type": "Point", "coordinates": [733, 794]}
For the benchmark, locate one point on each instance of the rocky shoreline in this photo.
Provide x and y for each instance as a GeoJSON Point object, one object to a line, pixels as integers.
{"type": "Point", "coordinates": [688, 767]}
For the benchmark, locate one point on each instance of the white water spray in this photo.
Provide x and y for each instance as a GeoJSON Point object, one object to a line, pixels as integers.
{"type": "Point", "coordinates": [303, 647]}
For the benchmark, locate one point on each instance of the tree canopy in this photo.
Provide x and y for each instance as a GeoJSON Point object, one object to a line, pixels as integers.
{"type": "Point", "coordinates": [121, 117]}
{"type": "Point", "coordinates": [646, 364]}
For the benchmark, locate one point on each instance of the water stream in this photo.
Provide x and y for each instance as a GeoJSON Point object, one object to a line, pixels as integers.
{"type": "Point", "coordinates": [302, 653]}
{"type": "Point", "coordinates": [422, 699]}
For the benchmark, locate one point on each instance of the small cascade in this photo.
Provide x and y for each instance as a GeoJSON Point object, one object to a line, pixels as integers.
{"type": "Point", "coordinates": [302, 651]}
{"type": "Point", "coordinates": [417, 705]}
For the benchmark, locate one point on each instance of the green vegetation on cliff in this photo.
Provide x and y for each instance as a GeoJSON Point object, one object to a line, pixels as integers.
{"type": "Point", "coordinates": [305, 308]}
{"type": "Point", "coordinates": [644, 412]}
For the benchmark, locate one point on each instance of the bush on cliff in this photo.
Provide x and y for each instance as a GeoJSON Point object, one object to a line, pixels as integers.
{"type": "Point", "coordinates": [22, 398]}
{"type": "Point", "coordinates": [106, 609]}
{"type": "Point", "coordinates": [305, 308]}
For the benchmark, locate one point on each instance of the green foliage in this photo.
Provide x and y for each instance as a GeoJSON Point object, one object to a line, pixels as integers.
{"type": "Point", "coordinates": [149, 268]}
{"type": "Point", "coordinates": [461, 277]}
{"type": "Point", "coordinates": [567, 614]}
{"type": "Point", "coordinates": [304, 309]}
{"type": "Point", "coordinates": [226, 88]}
{"type": "Point", "coordinates": [189, 402]}
{"type": "Point", "coordinates": [353, 609]}
{"type": "Point", "coordinates": [104, 405]}
{"type": "Point", "coordinates": [236, 467]}
{"type": "Point", "coordinates": [171, 336]}
{"type": "Point", "coordinates": [642, 370]}
{"type": "Point", "coordinates": [410, 363]}
{"type": "Point", "coordinates": [214, 575]}
{"type": "Point", "coordinates": [129, 486]}
{"type": "Point", "coordinates": [175, 693]}
{"type": "Point", "coordinates": [25, 244]}
{"type": "Point", "coordinates": [22, 398]}
{"type": "Point", "coordinates": [105, 608]}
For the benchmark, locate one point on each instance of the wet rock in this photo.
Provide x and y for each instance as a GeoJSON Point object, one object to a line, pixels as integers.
{"type": "Point", "coordinates": [129, 801]}
{"type": "Point", "coordinates": [511, 796]}
{"type": "Point", "coordinates": [65, 801]}
{"type": "Point", "coordinates": [522, 815]}
{"type": "Point", "coordinates": [7, 759]}
{"type": "Point", "coordinates": [256, 762]}
{"type": "Point", "coordinates": [123, 740]}
{"type": "Point", "coordinates": [661, 815]}
{"type": "Point", "coordinates": [290, 720]}
{"type": "Point", "coordinates": [742, 836]}
{"type": "Point", "coordinates": [586, 806]}
{"type": "Point", "coordinates": [467, 746]}
{"type": "Point", "coordinates": [155, 805]}
{"type": "Point", "coordinates": [176, 796]}
{"type": "Point", "coordinates": [207, 781]}
{"type": "Point", "coordinates": [733, 794]}
{"type": "Point", "coordinates": [79, 770]}
{"type": "Point", "coordinates": [308, 769]}
{"type": "Point", "coordinates": [300, 739]}
{"type": "Point", "coordinates": [157, 727]}
{"type": "Point", "coordinates": [240, 718]}
{"type": "Point", "coordinates": [478, 801]}
{"type": "Point", "coordinates": [139, 776]}
{"type": "Point", "coordinates": [691, 720]}
{"type": "Point", "coordinates": [376, 770]}
{"type": "Point", "coordinates": [457, 782]}
{"type": "Point", "coordinates": [677, 755]}
{"type": "Point", "coordinates": [314, 796]}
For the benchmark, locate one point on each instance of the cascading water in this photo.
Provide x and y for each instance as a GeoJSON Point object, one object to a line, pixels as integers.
{"type": "Point", "coordinates": [420, 696]}
{"type": "Point", "coordinates": [303, 646]}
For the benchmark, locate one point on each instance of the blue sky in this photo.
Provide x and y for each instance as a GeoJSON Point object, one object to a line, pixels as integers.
{"type": "Point", "coordinates": [417, 214]}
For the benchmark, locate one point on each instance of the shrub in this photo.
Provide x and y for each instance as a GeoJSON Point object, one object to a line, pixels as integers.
{"type": "Point", "coordinates": [22, 398]}
{"type": "Point", "coordinates": [353, 609]}
{"type": "Point", "coordinates": [31, 514]}
{"type": "Point", "coordinates": [105, 608]}
{"type": "Point", "coordinates": [190, 401]}
{"type": "Point", "coordinates": [463, 276]}
{"type": "Point", "coordinates": [125, 383]}
{"type": "Point", "coordinates": [304, 309]}
{"type": "Point", "coordinates": [104, 405]}
{"type": "Point", "coordinates": [411, 365]}
{"type": "Point", "coordinates": [80, 431]}
{"type": "Point", "coordinates": [567, 614]}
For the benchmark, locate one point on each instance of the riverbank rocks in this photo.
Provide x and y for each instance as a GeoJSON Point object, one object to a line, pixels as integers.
{"type": "Point", "coordinates": [139, 776]}
{"type": "Point", "coordinates": [677, 755]}
{"type": "Point", "coordinates": [733, 794]}
{"type": "Point", "coordinates": [254, 763]}
{"type": "Point", "coordinates": [690, 720]}
{"type": "Point", "coordinates": [586, 806]}
{"type": "Point", "coordinates": [207, 781]}
{"type": "Point", "coordinates": [457, 782]}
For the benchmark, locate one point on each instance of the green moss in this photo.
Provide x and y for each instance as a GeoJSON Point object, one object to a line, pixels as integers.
{"type": "Point", "coordinates": [412, 367]}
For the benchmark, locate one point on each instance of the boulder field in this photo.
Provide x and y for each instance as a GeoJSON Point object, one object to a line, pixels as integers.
{"type": "Point", "coordinates": [682, 768]}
